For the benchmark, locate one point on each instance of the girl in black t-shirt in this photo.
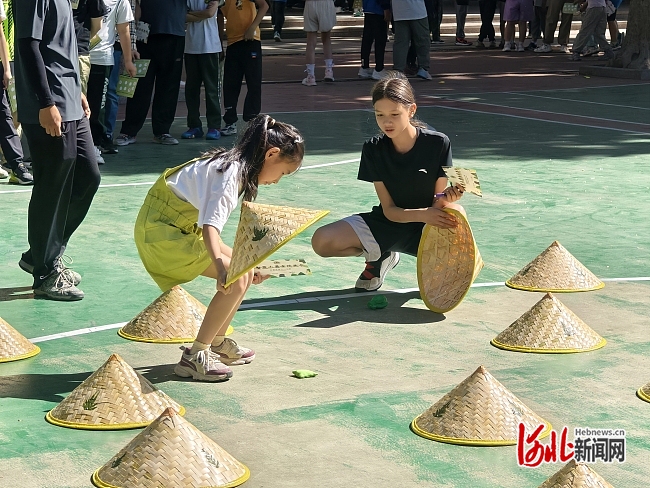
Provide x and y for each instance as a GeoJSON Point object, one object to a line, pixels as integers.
{"type": "Point", "coordinates": [405, 165]}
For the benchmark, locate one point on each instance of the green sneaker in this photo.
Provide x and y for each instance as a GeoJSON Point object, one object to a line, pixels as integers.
{"type": "Point", "coordinates": [58, 286]}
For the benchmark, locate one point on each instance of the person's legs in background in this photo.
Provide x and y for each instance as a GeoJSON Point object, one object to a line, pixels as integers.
{"type": "Point", "coordinates": [168, 80]}
{"type": "Point", "coordinates": [461, 18]}
{"type": "Point", "coordinates": [193, 82]}
{"type": "Point", "coordinates": [253, 76]}
{"type": "Point", "coordinates": [112, 103]}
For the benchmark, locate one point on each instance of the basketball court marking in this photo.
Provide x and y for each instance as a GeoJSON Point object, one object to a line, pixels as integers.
{"type": "Point", "coordinates": [275, 303]}
{"type": "Point", "coordinates": [578, 101]}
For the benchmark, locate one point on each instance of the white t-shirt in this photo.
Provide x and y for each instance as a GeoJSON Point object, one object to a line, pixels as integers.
{"type": "Point", "coordinates": [119, 12]}
{"type": "Point", "coordinates": [202, 37]}
{"type": "Point", "coordinates": [409, 9]}
{"type": "Point", "coordinates": [3, 14]}
{"type": "Point", "coordinates": [212, 192]}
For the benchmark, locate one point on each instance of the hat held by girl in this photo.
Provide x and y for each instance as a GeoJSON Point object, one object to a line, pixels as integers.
{"type": "Point", "coordinates": [405, 164]}
{"type": "Point", "coordinates": [177, 232]}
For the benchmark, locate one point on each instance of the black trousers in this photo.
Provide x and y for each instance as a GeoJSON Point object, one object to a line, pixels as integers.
{"type": "Point", "coordinates": [66, 178]}
{"type": "Point", "coordinates": [96, 95]}
{"type": "Point", "coordinates": [243, 60]}
{"type": "Point", "coordinates": [434, 15]}
{"type": "Point", "coordinates": [9, 140]}
{"type": "Point", "coordinates": [166, 54]}
{"type": "Point", "coordinates": [375, 29]}
{"type": "Point", "coordinates": [487, 9]}
{"type": "Point", "coordinates": [278, 15]}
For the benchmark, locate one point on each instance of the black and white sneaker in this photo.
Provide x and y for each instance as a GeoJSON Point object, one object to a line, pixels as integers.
{"type": "Point", "coordinates": [373, 276]}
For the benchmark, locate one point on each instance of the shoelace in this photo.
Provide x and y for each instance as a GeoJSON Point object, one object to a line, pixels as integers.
{"type": "Point", "coordinates": [63, 281]}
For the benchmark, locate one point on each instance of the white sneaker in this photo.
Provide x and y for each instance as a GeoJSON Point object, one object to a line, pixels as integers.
{"type": "Point", "coordinates": [229, 130]}
{"type": "Point", "coordinates": [507, 46]}
{"type": "Point", "coordinates": [375, 272]}
{"type": "Point", "coordinates": [310, 80]}
{"type": "Point", "coordinates": [124, 140]}
{"type": "Point", "coordinates": [379, 75]}
{"type": "Point", "coordinates": [329, 74]}
{"type": "Point", "coordinates": [365, 73]}
{"type": "Point", "coordinates": [232, 354]}
{"type": "Point", "coordinates": [202, 366]}
{"type": "Point", "coordinates": [544, 48]}
{"type": "Point", "coordinates": [565, 49]}
{"type": "Point", "coordinates": [520, 47]}
{"type": "Point", "coordinates": [98, 154]}
{"type": "Point", "coordinates": [3, 173]}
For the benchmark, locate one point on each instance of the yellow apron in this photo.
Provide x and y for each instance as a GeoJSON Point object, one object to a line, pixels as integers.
{"type": "Point", "coordinates": [168, 238]}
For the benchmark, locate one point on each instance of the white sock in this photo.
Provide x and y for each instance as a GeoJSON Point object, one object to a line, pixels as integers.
{"type": "Point", "coordinates": [329, 63]}
{"type": "Point", "coordinates": [310, 69]}
{"type": "Point", "coordinates": [199, 346]}
{"type": "Point", "coordinates": [218, 340]}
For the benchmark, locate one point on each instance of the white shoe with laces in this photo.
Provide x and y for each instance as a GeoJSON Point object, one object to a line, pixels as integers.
{"type": "Point", "coordinates": [232, 354]}
{"type": "Point", "coordinates": [310, 80]}
{"type": "Point", "coordinates": [202, 366]}
{"type": "Point", "coordinates": [365, 73]}
{"type": "Point", "coordinates": [544, 48]}
{"type": "Point", "coordinates": [329, 74]}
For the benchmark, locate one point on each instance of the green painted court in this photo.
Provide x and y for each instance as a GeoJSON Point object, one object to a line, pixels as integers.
{"type": "Point", "coordinates": [569, 165]}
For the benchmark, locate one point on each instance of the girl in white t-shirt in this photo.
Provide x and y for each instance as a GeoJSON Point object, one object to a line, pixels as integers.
{"type": "Point", "coordinates": [178, 229]}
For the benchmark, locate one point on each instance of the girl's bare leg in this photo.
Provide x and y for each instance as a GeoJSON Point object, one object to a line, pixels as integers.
{"type": "Point", "coordinates": [223, 307]}
{"type": "Point", "coordinates": [336, 240]}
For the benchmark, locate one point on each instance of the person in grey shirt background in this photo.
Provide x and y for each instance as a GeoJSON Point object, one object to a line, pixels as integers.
{"type": "Point", "coordinates": [54, 114]}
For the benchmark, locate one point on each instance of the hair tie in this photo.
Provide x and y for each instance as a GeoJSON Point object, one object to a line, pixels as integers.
{"type": "Point", "coordinates": [270, 123]}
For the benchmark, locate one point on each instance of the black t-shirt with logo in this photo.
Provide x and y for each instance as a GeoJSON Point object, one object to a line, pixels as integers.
{"type": "Point", "coordinates": [82, 12]}
{"type": "Point", "coordinates": [410, 179]}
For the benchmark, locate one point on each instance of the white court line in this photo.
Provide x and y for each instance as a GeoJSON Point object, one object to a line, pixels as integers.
{"type": "Point", "coordinates": [115, 185]}
{"type": "Point", "coordinates": [538, 111]}
{"type": "Point", "coordinates": [294, 301]}
{"type": "Point", "coordinates": [578, 101]}
{"type": "Point", "coordinates": [544, 120]}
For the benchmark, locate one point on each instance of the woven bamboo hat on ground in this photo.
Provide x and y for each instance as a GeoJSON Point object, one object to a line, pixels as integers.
{"type": "Point", "coordinates": [114, 397]}
{"type": "Point", "coordinates": [555, 270]}
{"type": "Point", "coordinates": [173, 317]}
{"type": "Point", "coordinates": [575, 475]}
{"type": "Point", "coordinates": [644, 392]}
{"type": "Point", "coordinates": [171, 452]}
{"type": "Point", "coordinates": [480, 411]}
{"type": "Point", "coordinates": [262, 230]}
{"type": "Point", "coordinates": [13, 345]}
{"type": "Point", "coordinates": [448, 264]}
{"type": "Point", "coordinates": [549, 327]}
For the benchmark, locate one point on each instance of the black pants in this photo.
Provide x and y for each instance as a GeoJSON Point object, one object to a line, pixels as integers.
{"type": "Point", "coordinates": [487, 8]}
{"type": "Point", "coordinates": [96, 95]}
{"type": "Point", "coordinates": [434, 15]}
{"type": "Point", "coordinates": [278, 15]}
{"type": "Point", "coordinates": [9, 140]}
{"type": "Point", "coordinates": [166, 54]}
{"type": "Point", "coordinates": [375, 29]}
{"type": "Point", "coordinates": [243, 60]}
{"type": "Point", "coordinates": [66, 178]}
{"type": "Point", "coordinates": [203, 69]}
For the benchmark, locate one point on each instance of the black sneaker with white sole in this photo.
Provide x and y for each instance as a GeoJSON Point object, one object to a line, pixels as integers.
{"type": "Point", "coordinates": [373, 276]}
{"type": "Point", "coordinates": [27, 265]}
{"type": "Point", "coordinates": [58, 286]}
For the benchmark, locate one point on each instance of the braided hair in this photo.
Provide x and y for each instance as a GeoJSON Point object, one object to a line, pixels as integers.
{"type": "Point", "coordinates": [262, 133]}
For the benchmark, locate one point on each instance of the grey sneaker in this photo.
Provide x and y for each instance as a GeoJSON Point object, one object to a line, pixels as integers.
{"type": "Point", "coordinates": [373, 276]}
{"type": "Point", "coordinates": [165, 140]}
{"type": "Point", "coordinates": [202, 366]}
{"type": "Point", "coordinates": [229, 130]}
{"type": "Point", "coordinates": [58, 286]}
{"type": "Point", "coordinates": [124, 140]}
{"type": "Point", "coordinates": [27, 266]}
{"type": "Point", "coordinates": [233, 354]}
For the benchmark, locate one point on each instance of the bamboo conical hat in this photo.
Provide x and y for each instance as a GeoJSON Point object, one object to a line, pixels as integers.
{"type": "Point", "coordinates": [173, 317]}
{"type": "Point", "coordinates": [480, 411]}
{"type": "Point", "coordinates": [448, 263]}
{"type": "Point", "coordinates": [575, 475]}
{"type": "Point", "coordinates": [114, 397]}
{"type": "Point", "coordinates": [555, 270]}
{"type": "Point", "coordinates": [13, 345]}
{"type": "Point", "coordinates": [171, 452]}
{"type": "Point", "coordinates": [262, 230]}
{"type": "Point", "coordinates": [549, 327]}
{"type": "Point", "coordinates": [644, 392]}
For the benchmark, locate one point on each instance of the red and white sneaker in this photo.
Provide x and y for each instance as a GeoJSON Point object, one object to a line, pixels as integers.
{"type": "Point", "coordinates": [373, 276]}
{"type": "Point", "coordinates": [232, 354]}
{"type": "Point", "coordinates": [202, 366]}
